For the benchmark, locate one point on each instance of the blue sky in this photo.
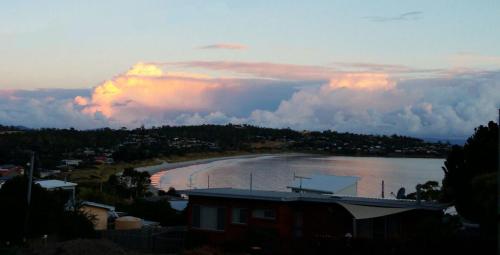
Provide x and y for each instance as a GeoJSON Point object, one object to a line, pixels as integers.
{"type": "Point", "coordinates": [81, 43]}
{"type": "Point", "coordinates": [269, 63]}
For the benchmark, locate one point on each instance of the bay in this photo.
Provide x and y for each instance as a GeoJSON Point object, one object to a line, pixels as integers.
{"type": "Point", "coordinates": [276, 172]}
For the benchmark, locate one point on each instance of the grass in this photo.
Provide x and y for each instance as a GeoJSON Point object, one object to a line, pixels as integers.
{"type": "Point", "coordinates": [101, 173]}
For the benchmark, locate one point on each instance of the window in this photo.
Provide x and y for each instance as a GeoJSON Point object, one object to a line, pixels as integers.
{"type": "Point", "coordinates": [268, 214]}
{"type": "Point", "coordinates": [208, 218]}
{"type": "Point", "coordinates": [239, 216]}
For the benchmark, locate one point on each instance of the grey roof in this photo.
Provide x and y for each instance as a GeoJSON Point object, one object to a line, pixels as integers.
{"type": "Point", "coordinates": [98, 205]}
{"type": "Point", "coordinates": [54, 184]}
{"type": "Point", "coordinates": [324, 183]}
{"type": "Point", "coordinates": [178, 205]}
{"type": "Point", "coordinates": [282, 196]}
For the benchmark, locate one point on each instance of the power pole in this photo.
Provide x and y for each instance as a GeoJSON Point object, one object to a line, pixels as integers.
{"type": "Point", "coordinates": [28, 197]}
{"type": "Point", "coordinates": [498, 177]}
{"type": "Point", "coordinates": [251, 181]}
{"type": "Point", "coordinates": [383, 189]}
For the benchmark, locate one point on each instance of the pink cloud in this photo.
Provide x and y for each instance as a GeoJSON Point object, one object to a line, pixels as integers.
{"type": "Point", "coordinates": [264, 69]}
{"type": "Point", "coordinates": [146, 90]}
{"type": "Point", "coordinates": [224, 46]}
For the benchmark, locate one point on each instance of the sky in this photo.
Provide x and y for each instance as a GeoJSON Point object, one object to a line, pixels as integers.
{"type": "Point", "coordinates": [420, 68]}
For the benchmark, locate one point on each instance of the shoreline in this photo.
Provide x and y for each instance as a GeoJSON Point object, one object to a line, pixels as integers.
{"type": "Point", "coordinates": [165, 166]}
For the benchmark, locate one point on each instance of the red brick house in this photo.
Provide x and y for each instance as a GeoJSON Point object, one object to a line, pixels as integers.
{"type": "Point", "coordinates": [11, 170]}
{"type": "Point", "coordinates": [224, 214]}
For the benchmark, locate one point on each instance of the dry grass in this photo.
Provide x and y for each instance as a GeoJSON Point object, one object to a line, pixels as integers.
{"type": "Point", "coordinates": [101, 173]}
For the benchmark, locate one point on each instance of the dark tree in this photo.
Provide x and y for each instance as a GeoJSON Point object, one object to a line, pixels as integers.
{"type": "Point", "coordinates": [47, 214]}
{"type": "Point", "coordinates": [470, 176]}
{"type": "Point", "coordinates": [429, 191]}
{"type": "Point", "coordinates": [138, 182]}
{"type": "Point", "coordinates": [131, 184]}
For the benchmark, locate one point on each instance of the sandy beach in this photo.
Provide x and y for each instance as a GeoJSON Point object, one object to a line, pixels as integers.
{"type": "Point", "coordinates": [168, 166]}
{"type": "Point", "coordinates": [156, 170]}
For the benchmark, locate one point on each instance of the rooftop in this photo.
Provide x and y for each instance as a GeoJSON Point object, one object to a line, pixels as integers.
{"type": "Point", "coordinates": [98, 205]}
{"type": "Point", "coordinates": [54, 184]}
{"type": "Point", "coordinates": [283, 196]}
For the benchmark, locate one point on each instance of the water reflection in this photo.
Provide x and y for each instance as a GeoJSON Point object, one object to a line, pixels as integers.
{"type": "Point", "coordinates": [276, 172]}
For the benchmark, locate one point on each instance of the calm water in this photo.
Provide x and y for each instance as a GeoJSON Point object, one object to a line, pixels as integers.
{"type": "Point", "coordinates": [276, 172]}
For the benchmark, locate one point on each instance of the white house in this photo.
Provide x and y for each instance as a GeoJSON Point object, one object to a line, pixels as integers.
{"type": "Point", "coordinates": [58, 184]}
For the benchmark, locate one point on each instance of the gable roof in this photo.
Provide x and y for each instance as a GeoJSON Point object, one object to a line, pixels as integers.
{"type": "Point", "coordinates": [282, 196]}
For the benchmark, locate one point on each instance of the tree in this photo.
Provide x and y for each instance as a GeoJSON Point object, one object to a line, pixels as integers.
{"type": "Point", "coordinates": [429, 191]}
{"type": "Point", "coordinates": [470, 176]}
{"type": "Point", "coordinates": [47, 214]}
{"type": "Point", "coordinates": [138, 182]}
{"type": "Point", "coordinates": [131, 184]}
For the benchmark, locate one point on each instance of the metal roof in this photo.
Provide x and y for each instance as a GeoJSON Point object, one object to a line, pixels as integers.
{"type": "Point", "coordinates": [324, 183]}
{"type": "Point", "coordinates": [54, 184]}
{"type": "Point", "coordinates": [178, 205]}
{"type": "Point", "coordinates": [98, 205]}
{"type": "Point", "coordinates": [282, 196]}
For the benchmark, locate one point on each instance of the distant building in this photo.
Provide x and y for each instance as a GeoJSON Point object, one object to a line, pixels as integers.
{"type": "Point", "coordinates": [99, 212]}
{"type": "Point", "coordinates": [224, 214]}
{"type": "Point", "coordinates": [4, 179]}
{"type": "Point", "coordinates": [71, 162]}
{"type": "Point", "coordinates": [11, 170]}
{"type": "Point", "coordinates": [326, 184]}
{"type": "Point", "coordinates": [58, 184]}
{"type": "Point", "coordinates": [46, 173]}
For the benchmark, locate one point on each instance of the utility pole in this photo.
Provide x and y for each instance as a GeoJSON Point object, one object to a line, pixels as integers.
{"type": "Point", "coordinates": [251, 181]}
{"type": "Point", "coordinates": [208, 181]}
{"type": "Point", "coordinates": [28, 197]}
{"type": "Point", "coordinates": [498, 177]}
{"type": "Point", "coordinates": [383, 189]}
{"type": "Point", "coordinates": [190, 185]}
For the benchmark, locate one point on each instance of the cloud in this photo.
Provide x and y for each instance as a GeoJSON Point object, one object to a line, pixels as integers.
{"type": "Point", "coordinates": [402, 70]}
{"type": "Point", "coordinates": [462, 59]}
{"type": "Point", "coordinates": [46, 108]}
{"type": "Point", "coordinates": [263, 69]}
{"type": "Point", "coordinates": [273, 95]}
{"type": "Point", "coordinates": [305, 72]}
{"type": "Point", "coordinates": [224, 46]}
{"type": "Point", "coordinates": [147, 94]}
{"type": "Point", "coordinates": [413, 15]}
{"type": "Point", "coordinates": [423, 107]}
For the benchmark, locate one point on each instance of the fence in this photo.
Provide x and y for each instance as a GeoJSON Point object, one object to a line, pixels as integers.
{"type": "Point", "coordinates": [153, 240]}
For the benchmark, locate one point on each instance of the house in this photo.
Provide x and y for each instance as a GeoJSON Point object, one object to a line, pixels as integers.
{"type": "Point", "coordinates": [71, 162]}
{"type": "Point", "coordinates": [99, 212]}
{"type": "Point", "coordinates": [224, 214]}
{"type": "Point", "coordinates": [11, 170]}
{"type": "Point", "coordinates": [326, 184]}
{"type": "Point", "coordinates": [4, 179]}
{"type": "Point", "coordinates": [46, 173]}
{"type": "Point", "coordinates": [58, 184]}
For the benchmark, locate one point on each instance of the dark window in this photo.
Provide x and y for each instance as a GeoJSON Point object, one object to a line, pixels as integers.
{"type": "Point", "coordinates": [221, 218]}
{"type": "Point", "coordinates": [239, 216]}
{"type": "Point", "coordinates": [196, 216]}
{"type": "Point", "coordinates": [208, 217]}
{"type": "Point", "coordinates": [269, 214]}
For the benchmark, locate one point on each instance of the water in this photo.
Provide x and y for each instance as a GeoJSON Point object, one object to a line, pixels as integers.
{"type": "Point", "coordinates": [276, 172]}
